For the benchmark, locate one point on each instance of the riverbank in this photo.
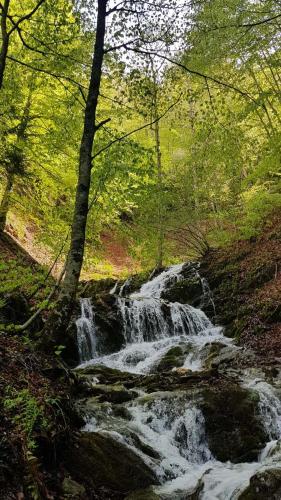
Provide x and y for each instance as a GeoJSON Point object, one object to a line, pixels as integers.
{"type": "Point", "coordinates": [245, 279]}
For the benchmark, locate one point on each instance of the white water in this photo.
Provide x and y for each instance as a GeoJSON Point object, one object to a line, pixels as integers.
{"type": "Point", "coordinates": [86, 338]}
{"type": "Point", "coordinates": [152, 326]}
{"type": "Point", "coordinates": [172, 424]}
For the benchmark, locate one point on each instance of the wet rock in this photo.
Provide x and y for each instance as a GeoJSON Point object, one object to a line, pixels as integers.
{"type": "Point", "coordinates": [196, 493]}
{"type": "Point", "coordinates": [233, 428]}
{"type": "Point", "coordinates": [174, 358]}
{"type": "Point", "coordinates": [105, 375]}
{"type": "Point", "coordinates": [72, 489]}
{"type": "Point", "coordinates": [143, 447]}
{"type": "Point", "coordinates": [187, 290]}
{"type": "Point", "coordinates": [102, 460]}
{"type": "Point", "coordinates": [113, 393]}
{"type": "Point", "coordinates": [264, 485]}
{"type": "Point", "coordinates": [109, 327]}
{"type": "Point", "coordinates": [147, 494]}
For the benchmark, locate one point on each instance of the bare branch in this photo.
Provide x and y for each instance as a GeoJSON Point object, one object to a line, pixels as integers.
{"type": "Point", "coordinates": [119, 139]}
{"type": "Point", "coordinates": [194, 72]}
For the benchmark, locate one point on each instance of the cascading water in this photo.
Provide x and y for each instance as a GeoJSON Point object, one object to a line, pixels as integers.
{"type": "Point", "coordinates": [86, 338]}
{"type": "Point", "coordinates": [172, 423]}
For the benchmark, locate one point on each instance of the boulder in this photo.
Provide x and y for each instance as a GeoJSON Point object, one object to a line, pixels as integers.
{"type": "Point", "coordinates": [101, 460]}
{"type": "Point", "coordinates": [233, 428]}
{"type": "Point", "coordinates": [264, 485]}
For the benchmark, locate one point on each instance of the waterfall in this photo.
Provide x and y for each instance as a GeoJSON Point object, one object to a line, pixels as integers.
{"type": "Point", "coordinates": [269, 406]}
{"type": "Point", "coordinates": [86, 331]}
{"type": "Point", "coordinates": [172, 424]}
{"type": "Point", "coordinates": [146, 317]}
{"type": "Point", "coordinates": [152, 325]}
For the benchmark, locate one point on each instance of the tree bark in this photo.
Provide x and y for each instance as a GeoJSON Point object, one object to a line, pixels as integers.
{"type": "Point", "coordinates": [5, 40]}
{"type": "Point", "coordinates": [5, 202]}
{"type": "Point", "coordinates": [60, 317]}
{"type": "Point", "coordinates": [159, 263]}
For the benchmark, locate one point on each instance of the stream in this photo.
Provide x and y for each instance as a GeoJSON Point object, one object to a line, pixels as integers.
{"type": "Point", "coordinates": [174, 420]}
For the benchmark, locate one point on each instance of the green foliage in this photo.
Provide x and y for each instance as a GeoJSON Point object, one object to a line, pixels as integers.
{"type": "Point", "coordinates": [220, 146]}
{"type": "Point", "coordinates": [26, 413]}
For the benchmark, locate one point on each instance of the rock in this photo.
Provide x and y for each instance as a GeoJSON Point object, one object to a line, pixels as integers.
{"type": "Point", "coordinates": [188, 290]}
{"type": "Point", "coordinates": [105, 375]}
{"type": "Point", "coordinates": [182, 371]}
{"type": "Point", "coordinates": [264, 485]}
{"type": "Point", "coordinates": [174, 358]}
{"type": "Point", "coordinates": [113, 393]}
{"type": "Point", "coordinates": [109, 327]}
{"type": "Point", "coordinates": [72, 489]}
{"type": "Point", "coordinates": [147, 494]}
{"type": "Point", "coordinates": [234, 431]}
{"type": "Point", "coordinates": [102, 460]}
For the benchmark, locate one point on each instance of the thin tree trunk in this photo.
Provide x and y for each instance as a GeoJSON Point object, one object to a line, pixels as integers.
{"type": "Point", "coordinates": [60, 318]}
{"type": "Point", "coordinates": [160, 243]}
{"type": "Point", "coordinates": [5, 202]}
{"type": "Point", "coordinates": [159, 262]}
{"type": "Point", "coordinates": [11, 174]}
{"type": "Point", "coordinates": [5, 40]}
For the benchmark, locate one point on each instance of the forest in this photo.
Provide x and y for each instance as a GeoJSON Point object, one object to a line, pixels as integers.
{"type": "Point", "coordinates": [140, 249]}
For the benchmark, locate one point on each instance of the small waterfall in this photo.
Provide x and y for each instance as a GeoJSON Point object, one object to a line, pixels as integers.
{"type": "Point", "coordinates": [151, 326]}
{"type": "Point", "coordinates": [207, 298]}
{"type": "Point", "coordinates": [175, 431]}
{"type": "Point", "coordinates": [146, 317]}
{"type": "Point", "coordinates": [269, 406]}
{"type": "Point", "coordinates": [86, 331]}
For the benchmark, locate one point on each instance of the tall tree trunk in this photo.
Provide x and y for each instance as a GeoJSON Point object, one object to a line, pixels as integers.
{"type": "Point", "coordinates": [5, 202]}
{"type": "Point", "coordinates": [60, 318]}
{"type": "Point", "coordinates": [160, 243]}
{"type": "Point", "coordinates": [5, 40]}
{"type": "Point", "coordinates": [160, 249]}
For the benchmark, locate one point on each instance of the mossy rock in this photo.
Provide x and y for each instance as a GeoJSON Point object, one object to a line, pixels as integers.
{"type": "Point", "coordinates": [174, 358]}
{"type": "Point", "coordinates": [72, 489]}
{"type": "Point", "coordinates": [233, 428]}
{"type": "Point", "coordinates": [113, 393]}
{"type": "Point", "coordinates": [95, 288]}
{"type": "Point", "coordinates": [105, 374]}
{"type": "Point", "coordinates": [264, 485]}
{"type": "Point", "coordinates": [186, 291]}
{"type": "Point", "coordinates": [146, 494]}
{"type": "Point", "coordinates": [99, 459]}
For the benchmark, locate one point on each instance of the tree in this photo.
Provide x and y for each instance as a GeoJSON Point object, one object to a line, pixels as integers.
{"type": "Point", "coordinates": [11, 23]}
{"type": "Point", "coordinates": [14, 155]}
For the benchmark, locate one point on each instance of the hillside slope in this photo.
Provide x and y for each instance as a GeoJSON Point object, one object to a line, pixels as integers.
{"type": "Point", "coordinates": [245, 279]}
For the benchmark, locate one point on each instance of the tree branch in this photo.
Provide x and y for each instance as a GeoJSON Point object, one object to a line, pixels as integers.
{"type": "Point", "coordinates": [27, 16]}
{"type": "Point", "coordinates": [194, 72]}
{"type": "Point", "coordinates": [119, 139]}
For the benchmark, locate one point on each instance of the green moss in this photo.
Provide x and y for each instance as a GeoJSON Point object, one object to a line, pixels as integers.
{"type": "Point", "coordinates": [174, 358]}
